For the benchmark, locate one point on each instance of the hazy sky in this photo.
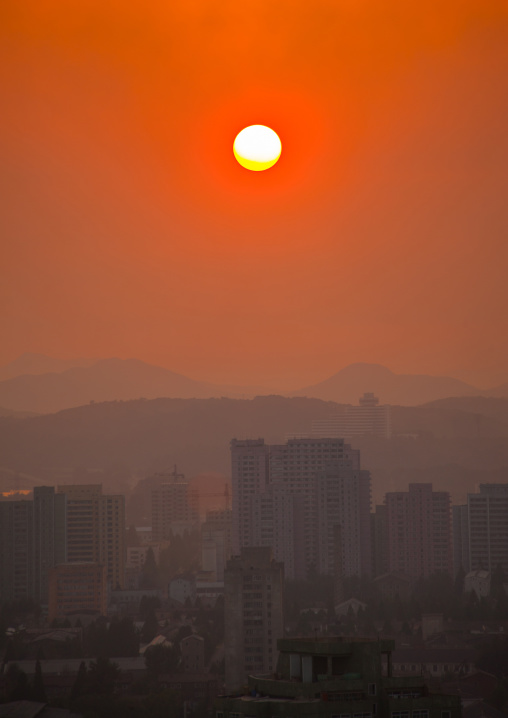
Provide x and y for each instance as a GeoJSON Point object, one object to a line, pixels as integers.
{"type": "Point", "coordinates": [128, 228]}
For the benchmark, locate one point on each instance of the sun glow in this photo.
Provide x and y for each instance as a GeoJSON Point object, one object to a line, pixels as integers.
{"type": "Point", "coordinates": [257, 148]}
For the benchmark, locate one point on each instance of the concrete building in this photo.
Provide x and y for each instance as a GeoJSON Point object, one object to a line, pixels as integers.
{"type": "Point", "coordinates": [419, 531]}
{"type": "Point", "coordinates": [50, 536]}
{"type": "Point", "coordinates": [460, 531]}
{"type": "Point", "coordinates": [488, 528]}
{"type": "Point", "coordinates": [432, 662]}
{"type": "Point", "coordinates": [17, 551]}
{"type": "Point", "coordinates": [216, 542]}
{"type": "Point", "coordinates": [75, 587]}
{"type": "Point", "coordinates": [96, 529]}
{"type": "Point", "coordinates": [182, 588]}
{"type": "Point", "coordinates": [289, 497]}
{"type": "Point", "coordinates": [175, 507]}
{"type": "Point", "coordinates": [253, 608]}
{"type": "Point", "coordinates": [32, 540]}
{"type": "Point", "coordinates": [332, 677]}
{"type": "Point", "coordinates": [394, 583]}
{"type": "Point", "coordinates": [479, 582]}
{"type": "Point", "coordinates": [136, 555]}
{"type": "Point", "coordinates": [369, 417]}
{"type": "Point", "coordinates": [379, 537]}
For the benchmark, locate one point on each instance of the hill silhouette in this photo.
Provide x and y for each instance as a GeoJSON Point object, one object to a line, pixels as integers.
{"type": "Point", "coordinates": [458, 445]}
{"type": "Point", "coordinates": [32, 363]}
{"type": "Point", "coordinates": [105, 380]}
{"type": "Point", "coordinates": [401, 389]}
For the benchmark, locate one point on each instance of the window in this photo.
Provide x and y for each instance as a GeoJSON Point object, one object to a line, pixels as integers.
{"type": "Point", "coordinates": [446, 714]}
{"type": "Point", "coordinates": [421, 714]}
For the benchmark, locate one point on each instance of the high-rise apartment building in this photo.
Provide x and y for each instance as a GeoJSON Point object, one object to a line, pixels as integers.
{"type": "Point", "coordinates": [96, 529]}
{"type": "Point", "coordinates": [253, 605]}
{"type": "Point", "coordinates": [419, 531]}
{"type": "Point", "coordinates": [379, 536]}
{"type": "Point", "coordinates": [289, 497]}
{"type": "Point", "coordinates": [486, 537]}
{"type": "Point", "coordinates": [369, 417]}
{"type": "Point", "coordinates": [50, 536]}
{"type": "Point", "coordinates": [175, 508]}
{"type": "Point", "coordinates": [216, 542]}
{"type": "Point", "coordinates": [32, 540]}
{"type": "Point", "coordinates": [460, 532]}
{"type": "Point", "coordinates": [16, 550]}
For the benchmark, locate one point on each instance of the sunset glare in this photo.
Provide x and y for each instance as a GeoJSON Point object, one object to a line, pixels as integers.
{"type": "Point", "coordinates": [257, 148]}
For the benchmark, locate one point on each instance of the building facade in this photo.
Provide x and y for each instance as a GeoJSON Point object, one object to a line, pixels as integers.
{"type": "Point", "coordinates": [75, 587]}
{"type": "Point", "coordinates": [289, 497]}
{"type": "Point", "coordinates": [175, 507]}
{"type": "Point", "coordinates": [96, 529]}
{"type": "Point", "coordinates": [487, 513]}
{"type": "Point", "coordinates": [17, 550]}
{"type": "Point", "coordinates": [333, 677]}
{"type": "Point", "coordinates": [253, 605]}
{"type": "Point", "coordinates": [369, 417]}
{"type": "Point", "coordinates": [50, 536]}
{"type": "Point", "coordinates": [419, 531]}
{"type": "Point", "coordinates": [32, 540]}
{"type": "Point", "coordinates": [216, 542]}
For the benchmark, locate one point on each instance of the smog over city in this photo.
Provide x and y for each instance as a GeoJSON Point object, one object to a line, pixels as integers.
{"type": "Point", "coordinates": [253, 359]}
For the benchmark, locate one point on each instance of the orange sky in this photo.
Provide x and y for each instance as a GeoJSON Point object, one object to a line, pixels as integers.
{"type": "Point", "coordinates": [380, 236]}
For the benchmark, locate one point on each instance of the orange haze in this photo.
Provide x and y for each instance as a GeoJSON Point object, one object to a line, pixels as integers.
{"type": "Point", "coordinates": [130, 230]}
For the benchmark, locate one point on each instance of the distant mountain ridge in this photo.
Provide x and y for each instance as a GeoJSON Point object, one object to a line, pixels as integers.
{"type": "Point", "coordinates": [400, 389]}
{"type": "Point", "coordinates": [105, 380]}
{"type": "Point", "coordinates": [455, 443]}
{"type": "Point", "coordinates": [32, 363]}
{"type": "Point", "coordinates": [99, 380]}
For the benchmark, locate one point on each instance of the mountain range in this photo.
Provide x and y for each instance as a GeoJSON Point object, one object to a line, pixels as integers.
{"type": "Point", "coordinates": [41, 384]}
{"type": "Point", "coordinates": [455, 443]}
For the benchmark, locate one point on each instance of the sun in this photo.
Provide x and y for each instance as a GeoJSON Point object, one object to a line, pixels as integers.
{"type": "Point", "coordinates": [257, 148]}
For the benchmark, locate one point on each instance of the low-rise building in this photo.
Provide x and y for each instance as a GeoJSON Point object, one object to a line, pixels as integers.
{"type": "Point", "coordinates": [394, 583]}
{"type": "Point", "coordinates": [479, 582]}
{"type": "Point", "coordinates": [183, 587]}
{"type": "Point", "coordinates": [331, 677]}
{"type": "Point", "coordinates": [352, 604]}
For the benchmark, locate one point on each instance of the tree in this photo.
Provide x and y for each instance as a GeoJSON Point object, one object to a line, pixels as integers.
{"type": "Point", "coordinates": [123, 639]}
{"type": "Point", "coordinates": [162, 659]}
{"type": "Point", "coordinates": [147, 603]}
{"type": "Point", "coordinates": [150, 627]}
{"type": "Point", "coordinates": [150, 577]}
{"type": "Point", "coordinates": [38, 692]}
{"type": "Point", "coordinates": [80, 684]}
{"type": "Point", "coordinates": [16, 682]}
{"type": "Point", "coordinates": [102, 676]}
